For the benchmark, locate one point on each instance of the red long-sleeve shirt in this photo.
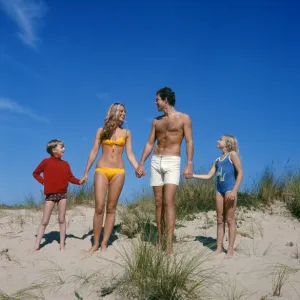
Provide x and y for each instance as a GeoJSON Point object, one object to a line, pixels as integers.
{"type": "Point", "coordinates": [56, 175]}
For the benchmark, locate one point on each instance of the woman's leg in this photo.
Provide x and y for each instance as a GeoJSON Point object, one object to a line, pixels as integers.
{"type": "Point", "coordinates": [114, 191]}
{"type": "Point", "coordinates": [100, 188]}
{"type": "Point", "coordinates": [62, 207]}
{"type": "Point", "coordinates": [220, 220]}
{"type": "Point", "coordinates": [230, 207]}
{"type": "Point", "coordinates": [48, 207]}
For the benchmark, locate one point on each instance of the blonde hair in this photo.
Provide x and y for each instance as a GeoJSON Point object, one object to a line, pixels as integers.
{"type": "Point", "coordinates": [231, 143]}
{"type": "Point", "coordinates": [52, 145]}
{"type": "Point", "coordinates": [111, 120]}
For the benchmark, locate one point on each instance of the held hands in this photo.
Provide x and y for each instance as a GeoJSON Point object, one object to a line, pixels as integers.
{"type": "Point", "coordinates": [83, 179]}
{"type": "Point", "coordinates": [140, 171]}
{"type": "Point", "coordinates": [188, 171]}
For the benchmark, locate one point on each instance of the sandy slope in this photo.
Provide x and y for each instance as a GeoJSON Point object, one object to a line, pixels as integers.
{"type": "Point", "coordinates": [264, 240]}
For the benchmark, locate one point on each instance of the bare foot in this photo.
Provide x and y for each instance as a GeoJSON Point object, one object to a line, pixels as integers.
{"type": "Point", "coordinates": [229, 254]}
{"type": "Point", "coordinates": [88, 253]}
{"type": "Point", "coordinates": [169, 251]}
{"type": "Point", "coordinates": [158, 246]}
{"type": "Point", "coordinates": [62, 248]}
{"type": "Point", "coordinates": [30, 251]}
{"type": "Point", "coordinates": [103, 248]}
{"type": "Point", "coordinates": [218, 251]}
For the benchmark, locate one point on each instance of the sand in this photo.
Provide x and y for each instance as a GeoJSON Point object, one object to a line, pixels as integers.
{"type": "Point", "coordinates": [264, 239]}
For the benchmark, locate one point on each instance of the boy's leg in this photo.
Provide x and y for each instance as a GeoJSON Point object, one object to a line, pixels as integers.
{"type": "Point", "coordinates": [230, 207]}
{"type": "Point", "coordinates": [62, 207]}
{"type": "Point", "coordinates": [48, 207]}
{"type": "Point", "coordinates": [220, 220]}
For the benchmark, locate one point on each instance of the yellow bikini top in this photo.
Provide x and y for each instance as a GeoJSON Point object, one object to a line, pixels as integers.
{"type": "Point", "coordinates": [119, 142]}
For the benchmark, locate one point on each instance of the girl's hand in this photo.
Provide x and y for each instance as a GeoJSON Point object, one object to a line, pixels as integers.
{"type": "Point", "coordinates": [232, 196]}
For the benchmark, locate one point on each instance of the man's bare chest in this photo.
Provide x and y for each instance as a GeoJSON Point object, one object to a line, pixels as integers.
{"type": "Point", "coordinates": [165, 126]}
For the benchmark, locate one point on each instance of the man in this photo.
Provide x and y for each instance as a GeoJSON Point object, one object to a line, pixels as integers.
{"type": "Point", "coordinates": [168, 130]}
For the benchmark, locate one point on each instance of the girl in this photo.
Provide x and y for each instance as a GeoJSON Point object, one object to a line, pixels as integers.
{"type": "Point", "coordinates": [110, 172]}
{"type": "Point", "coordinates": [229, 173]}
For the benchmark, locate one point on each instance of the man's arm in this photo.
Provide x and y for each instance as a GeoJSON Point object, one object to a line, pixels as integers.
{"type": "Point", "coordinates": [147, 150]}
{"type": "Point", "coordinates": [187, 131]}
{"type": "Point", "coordinates": [149, 145]}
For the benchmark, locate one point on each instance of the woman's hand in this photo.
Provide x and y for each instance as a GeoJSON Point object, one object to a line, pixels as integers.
{"type": "Point", "coordinates": [84, 179]}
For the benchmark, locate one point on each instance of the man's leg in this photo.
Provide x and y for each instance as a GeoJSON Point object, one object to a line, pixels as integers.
{"type": "Point", "coordinates": [158, 195]}
{"type": "Point", "coordinates": [156, 181]}
{"type": "Point", "coordinates": [169, 213]}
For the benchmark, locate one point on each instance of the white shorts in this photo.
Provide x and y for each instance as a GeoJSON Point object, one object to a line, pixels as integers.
{"type": "Point", "coordinates": [165, 170]}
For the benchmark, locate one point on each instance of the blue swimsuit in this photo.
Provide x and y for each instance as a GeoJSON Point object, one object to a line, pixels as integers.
{"type": "Point", "coordinates": [226, 175]}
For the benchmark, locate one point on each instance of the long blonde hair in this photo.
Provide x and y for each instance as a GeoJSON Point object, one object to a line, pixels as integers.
{"type": "Point", "coordinates": [231, 143]}
{"type": "Point", "coordinates": [111, 121]}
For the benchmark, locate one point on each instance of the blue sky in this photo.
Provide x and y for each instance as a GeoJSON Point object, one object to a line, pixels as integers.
{"type": "Point", "coordinates": [234, 65]}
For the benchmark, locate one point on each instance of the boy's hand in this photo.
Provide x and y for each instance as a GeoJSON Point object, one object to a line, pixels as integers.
{"type": "Point", "coordinates": [83, 179]}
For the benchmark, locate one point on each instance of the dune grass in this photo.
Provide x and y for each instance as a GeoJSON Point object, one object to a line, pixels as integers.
{"type": "Point", "coordinates": [194, 196]}
{"type": "Point", "coordinates": [150, 274]}
{"type": "Point", "coordinates": [32, 292]}
{"type": "Point", "coordinates": [281, 275]}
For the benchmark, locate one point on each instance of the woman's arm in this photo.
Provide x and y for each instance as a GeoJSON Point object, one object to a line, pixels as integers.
{"type": "Point", "coordinates": [93, 155]}
{"type": "Point", "coordinates": [209, 175]}
{"type": "Point", "coordinates": [129, 152]}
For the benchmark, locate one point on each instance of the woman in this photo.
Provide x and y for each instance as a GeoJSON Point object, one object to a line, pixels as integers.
{"type": "Point", "coordinates": [110, 172]}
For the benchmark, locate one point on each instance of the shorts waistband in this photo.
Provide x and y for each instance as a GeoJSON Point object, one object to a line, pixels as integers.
{"type": "Point", "coordinates": [175, 157]}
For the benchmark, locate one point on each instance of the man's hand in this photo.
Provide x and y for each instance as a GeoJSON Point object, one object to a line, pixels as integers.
{"type": "Point", "coordinates": [188, 171]}
{"type": "Point", "coordinates": [140, 171]}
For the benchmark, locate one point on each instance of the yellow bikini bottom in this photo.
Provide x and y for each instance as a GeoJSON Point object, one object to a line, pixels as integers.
{"type": "Point", "coordinates": [109, 173]}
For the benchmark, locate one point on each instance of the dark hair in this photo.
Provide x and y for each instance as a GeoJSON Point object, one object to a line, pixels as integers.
{"type": "Point", "coordinates": [52, 145]}
{"type": "Point", "coordinates": [167, 93]}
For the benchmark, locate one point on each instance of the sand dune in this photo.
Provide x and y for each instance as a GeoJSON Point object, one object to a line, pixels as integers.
{"type": "Point", "coordinates": [264, 239]}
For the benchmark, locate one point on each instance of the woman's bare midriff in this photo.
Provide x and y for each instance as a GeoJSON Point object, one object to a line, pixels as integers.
{"type": "Point", "coordinates": [110, 158]}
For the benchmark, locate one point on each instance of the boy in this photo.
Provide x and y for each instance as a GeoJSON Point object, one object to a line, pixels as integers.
{"type": "Point", "coordinates": [56, 176]}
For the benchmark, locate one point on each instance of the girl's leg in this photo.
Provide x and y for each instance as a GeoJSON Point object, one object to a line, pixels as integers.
{"type": "Point", "coordinates": [230, 207]}
{"type": "Point", "coordinates": [114, 191]}
{"type": "Point", "coordinates": [100, 187]}
{"type": "Point", "coordinates": [48, 207]}
{"type": "Point", "coordinates": [220, 220]}
{"type": "Point", "coordinates": [62, 206]}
